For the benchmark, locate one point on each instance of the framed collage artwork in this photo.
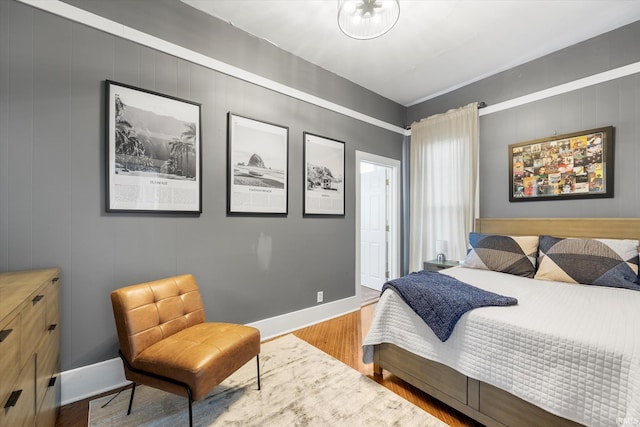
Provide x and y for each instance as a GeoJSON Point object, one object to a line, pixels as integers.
{"type": "Point", "coordinates": [577, 165]}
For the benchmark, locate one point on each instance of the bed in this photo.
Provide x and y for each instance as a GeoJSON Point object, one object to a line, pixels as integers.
{"type": "Point", "coordinates": [579, 364]}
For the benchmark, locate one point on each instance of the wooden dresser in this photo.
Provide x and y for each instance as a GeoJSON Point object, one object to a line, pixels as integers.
{"type": "Point", "coordinates": [30, 347]}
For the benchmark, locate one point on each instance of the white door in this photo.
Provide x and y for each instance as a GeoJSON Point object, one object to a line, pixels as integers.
{"type": "Point", "coordinates": [372, 256]}
{"type": "Point", "coordinates": [373, 225]}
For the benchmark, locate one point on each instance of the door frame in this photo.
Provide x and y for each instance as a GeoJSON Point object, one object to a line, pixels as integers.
{"type": "Point", "coordinates": [394, 213]}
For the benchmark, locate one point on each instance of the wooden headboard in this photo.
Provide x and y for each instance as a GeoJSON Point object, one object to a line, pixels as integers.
{"type": "Point", "coordinates": [605, 228]}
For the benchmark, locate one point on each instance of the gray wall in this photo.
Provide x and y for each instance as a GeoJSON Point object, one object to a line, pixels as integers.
{"type": "Point", "coordinates": [615, 103]}
{"type": "Point", "coordinates": [52, 161]}
{"type": "Point", "coordinates": [175, 21]}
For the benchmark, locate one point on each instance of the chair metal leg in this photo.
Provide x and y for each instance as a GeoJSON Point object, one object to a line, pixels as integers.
{"type": "Point", "coordinates": [133, 390]}
{"type": "Point", "coordinates": [190, 407]}
{"type": "Point", "coordinates": [258, 363]}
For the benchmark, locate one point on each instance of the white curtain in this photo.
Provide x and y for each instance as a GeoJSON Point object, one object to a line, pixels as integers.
{"type": "Point", "coordinates": [444, 184]}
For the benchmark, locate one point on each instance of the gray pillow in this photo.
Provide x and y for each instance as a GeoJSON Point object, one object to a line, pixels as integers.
{"type": "Point", "coordinates": [604, 262]}
{"type": "Point", "coordinates": [507, 254]}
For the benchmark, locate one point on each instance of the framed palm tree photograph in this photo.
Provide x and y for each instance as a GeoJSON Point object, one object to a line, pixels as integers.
{"type": "Point", "coordinates": [154, 161]}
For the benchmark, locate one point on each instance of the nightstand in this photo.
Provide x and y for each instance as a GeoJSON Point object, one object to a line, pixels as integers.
{"type": "Point", "coordinates": [434, 265]}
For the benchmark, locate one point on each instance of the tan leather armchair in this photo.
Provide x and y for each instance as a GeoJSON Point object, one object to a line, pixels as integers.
{"type": "Point", "coordinates": [165, 342]}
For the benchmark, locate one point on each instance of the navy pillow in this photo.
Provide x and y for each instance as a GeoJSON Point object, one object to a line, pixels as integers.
{"type": "Point", "coordinates": [506, 254]}
{"type": "Point", "coordinates": [604, 262]}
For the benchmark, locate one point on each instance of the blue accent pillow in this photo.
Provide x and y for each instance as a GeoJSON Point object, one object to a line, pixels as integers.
{"type": "Point", "coordinates": [507, 254]}
{"type": "Point", "coordinates": [603, 262]}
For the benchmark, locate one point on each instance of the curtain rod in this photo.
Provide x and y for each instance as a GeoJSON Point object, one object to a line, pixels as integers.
{"type": "Point", "coordinates": [481, 104]}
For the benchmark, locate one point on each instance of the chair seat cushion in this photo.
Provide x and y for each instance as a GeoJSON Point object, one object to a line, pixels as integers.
{"type": "Point", "coordinates": [201, 356]}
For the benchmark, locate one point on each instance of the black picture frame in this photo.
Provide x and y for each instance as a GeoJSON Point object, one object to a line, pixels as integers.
{"type": "Point", "coordinates": [154, 152]}
{"type": "Point", "coordinates": [324, 174]}
{"type": "Point", "coordinates": [576, 165]}
{"type": "Point", "coordinates": [257, 167]}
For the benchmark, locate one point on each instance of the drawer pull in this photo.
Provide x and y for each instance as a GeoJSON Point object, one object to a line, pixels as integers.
{"type": "Point", "coordinates": [52, 327]}
{"type": "Point", "coordinates": [37, 299]}
{"type": "Point", "coordinates": [54, 280]}
{"type": "Point", "coordinates": [52, 381]}
{"type": "Point", "coordinates": [4, 334]}
{"type": "Point", "coordinates": [13, 399]}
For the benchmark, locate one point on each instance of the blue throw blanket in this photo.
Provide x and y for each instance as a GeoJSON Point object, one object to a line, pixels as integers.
{"type": "Point", "coordinates": [441, 300]}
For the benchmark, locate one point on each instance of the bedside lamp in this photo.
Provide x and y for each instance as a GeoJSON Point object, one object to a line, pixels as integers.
{"type": "Point", "coordinates": [441, 250]}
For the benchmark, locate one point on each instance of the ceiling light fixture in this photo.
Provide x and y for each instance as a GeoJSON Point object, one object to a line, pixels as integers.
{"type": "Point", "coordinates": [367, 19]}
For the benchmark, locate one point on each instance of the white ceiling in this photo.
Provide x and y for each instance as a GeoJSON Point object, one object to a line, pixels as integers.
{"type": "Point", "coordinates": [436, 46]}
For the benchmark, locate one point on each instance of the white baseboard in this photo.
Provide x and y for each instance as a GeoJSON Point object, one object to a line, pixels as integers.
{"type": "Point", "coordinates": [280, 325]}
{"type": "Point", "coordinates": [90, 380]}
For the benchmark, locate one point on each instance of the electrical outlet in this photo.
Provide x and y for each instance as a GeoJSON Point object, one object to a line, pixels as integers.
{"type": "Point", "coordinates": [320, 296]}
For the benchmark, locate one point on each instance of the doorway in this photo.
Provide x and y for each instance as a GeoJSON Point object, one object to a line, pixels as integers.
{"type": "Point", "coordinates": [377, 221]}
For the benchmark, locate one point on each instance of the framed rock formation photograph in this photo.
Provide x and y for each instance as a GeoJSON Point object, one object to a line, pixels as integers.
{"type": "Point", "coordinates": [257, 167]}
{"type": "Point", "coordinates": [153, 152]}
{"type": "Point", "coordinates": [324, 161]}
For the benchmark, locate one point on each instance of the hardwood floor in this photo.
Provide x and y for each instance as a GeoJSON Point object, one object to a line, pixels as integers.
{"type": "Point", "coordinates": [341, 338]}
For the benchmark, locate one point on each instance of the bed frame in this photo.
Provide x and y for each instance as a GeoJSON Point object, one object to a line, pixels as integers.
{"type": "Point", "coordinates": [485, 403]}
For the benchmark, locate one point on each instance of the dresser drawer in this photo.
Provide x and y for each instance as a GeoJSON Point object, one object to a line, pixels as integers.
{"type": "Point", "coordinates": [33, 324]}
{"type": "Point", "coordinates": [18, 408]}
{"type": "Point", "coordinates": [29, 347]}
{"type": "Point", "coordinates": [47, 364]}
{"type": "Point", "coordinates": [52, 298]}
{"type": "Point", "coordinates": [10, 360]}
{"type": "Point", "coordinates": [48, 397]}
{"type": "Point", "coordinates": [49, 409]}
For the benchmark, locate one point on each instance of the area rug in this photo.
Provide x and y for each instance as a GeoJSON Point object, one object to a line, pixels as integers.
{"type": "Point", "coordinates": [301, 386]}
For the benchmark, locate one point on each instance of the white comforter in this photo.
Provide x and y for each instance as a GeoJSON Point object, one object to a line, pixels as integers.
{"type": "Point", "coordinates": [573, 350]}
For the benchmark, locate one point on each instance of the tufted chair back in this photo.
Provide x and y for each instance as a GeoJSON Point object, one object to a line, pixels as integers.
{"type": "Point", "coordinates": [149, 312]}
